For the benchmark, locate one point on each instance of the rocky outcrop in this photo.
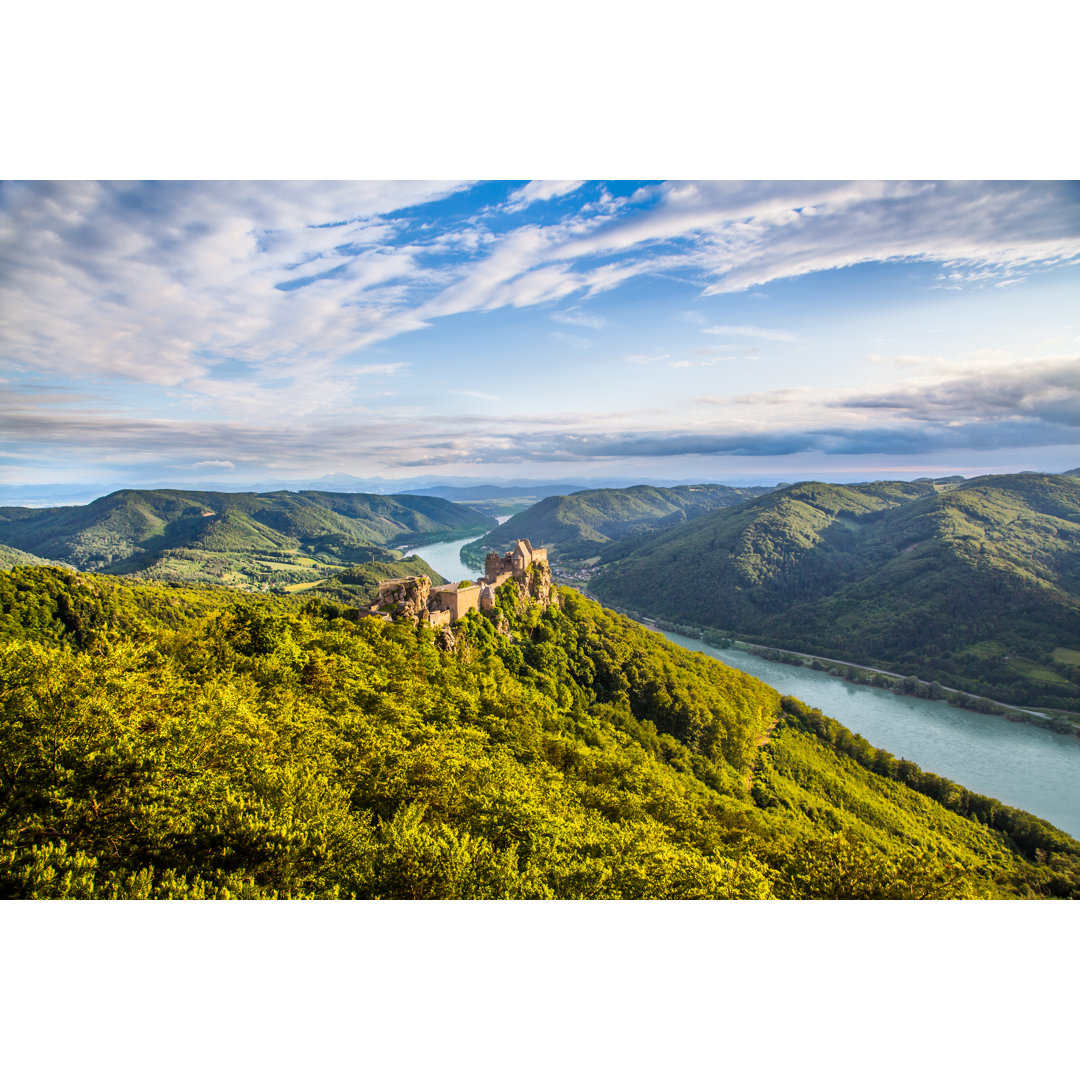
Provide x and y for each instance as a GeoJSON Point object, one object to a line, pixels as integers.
{"type": "Point", "coordinates": [404, 596]}
{"type": "Point", "coordinates": [532, 587]}
{"type": "Point", "coordinates": [538, 584]}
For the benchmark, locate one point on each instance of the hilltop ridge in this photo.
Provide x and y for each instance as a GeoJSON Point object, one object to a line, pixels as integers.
{"type": "Point", "coordinates": [576, 527]}
{"type": "Point", "coordinates": [977, 585]}
{"type": "Point", "coordinates": [240, 539]}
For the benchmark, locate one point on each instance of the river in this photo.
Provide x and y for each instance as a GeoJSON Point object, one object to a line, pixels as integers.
{"type": "Point", "coordinates": [1022, 765]}
{"type": "Point", "coordinates": [445, 558]}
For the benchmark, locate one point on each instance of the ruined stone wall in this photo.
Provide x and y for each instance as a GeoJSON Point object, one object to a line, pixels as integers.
{"type": "Point", "coordinates": [456, 600]}
{"type": "Point", "coordinates": [466, 599]}
{"type": "Point", "coordinates": [497, 566]}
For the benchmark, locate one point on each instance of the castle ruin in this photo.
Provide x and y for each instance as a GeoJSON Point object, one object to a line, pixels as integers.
{"type": "Point", "coordinates": [415, 598]}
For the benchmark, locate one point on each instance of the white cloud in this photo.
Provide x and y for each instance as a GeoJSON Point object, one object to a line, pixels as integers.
{"type": "Point", "coordinates": [745, 235]}
{"type": "Point", "coordinates": [1047, 391]}
{"type": "Point", "coordinates": [395, 368]}
{"type": "Point", "coordinates": [158, 283]}
{"type": "Point", "coordinates": [1024, 405]}
{"type": "Point", "coordinates": [542, 190]}
{"type": "Point", "coordinates": [137, 281]}
{"type": "Point", "coordinates": [142, 281]}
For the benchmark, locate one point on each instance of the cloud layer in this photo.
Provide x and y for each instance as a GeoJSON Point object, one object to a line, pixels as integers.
{"type": "Point", "coordinates": [235, 325]}
{"type": "Point", "coordinates": [145, 281]}
{"type": "Point", "coordinates": [993, 409]}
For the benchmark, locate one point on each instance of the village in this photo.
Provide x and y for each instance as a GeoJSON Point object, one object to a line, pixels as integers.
{"type": "Point", "coordinates": [417, 599]}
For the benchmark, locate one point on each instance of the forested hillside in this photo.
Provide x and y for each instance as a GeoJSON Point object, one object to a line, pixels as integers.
{"type": "Point", "coordinates": [10, 557]}
{"type": "Point", "coordinates": [247, 539]}
{"type": "Point", "coordinates": [575, 528]}
{"type": "Point", "coordinates": [193, 742]}
{"type": "Point", "coordinates": [977, 586]}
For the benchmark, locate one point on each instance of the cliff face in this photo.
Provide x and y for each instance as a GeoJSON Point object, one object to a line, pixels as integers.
{"type": "Point", "coordinates": [410, 595]}
{"type": "Point", "coordinates": [533, 586]}
{"type": "Point", "coordinates": [537, 584]}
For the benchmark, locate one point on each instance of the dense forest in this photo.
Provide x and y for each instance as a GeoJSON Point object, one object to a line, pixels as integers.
{"type": "Point", "coordinates": [175, 741]}
{"type": "Point", "coordinates": [10, 557]}
{"type": "Point", "coordinates": [244, 540]}
{"type": "Point", "coordinates": [976, 585]}
{"type": "Point", "coordinates": [576, 528]}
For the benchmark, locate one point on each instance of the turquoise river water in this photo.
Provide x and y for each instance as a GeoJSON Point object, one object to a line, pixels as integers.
{"type": "Point", "coordinates": [1022, 765]}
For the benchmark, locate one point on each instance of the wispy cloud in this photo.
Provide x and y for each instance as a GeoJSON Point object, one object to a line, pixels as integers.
{"type": "Point", "coordinates": [573, 340]}
{"type": "Point", "coordinates": [1048, 392]}
{"type": "Point", "coordinates": [1037, 406]}
{"type": "Point", "coordinates": [396, 368]}
{"type": "Point", "coordinates": [142, 281]}
{"type": "Point", "coordinates": [542, 191]}
{"type": "Point", "coordinates": [752, 331]}
{"type": "Point", "coordinates": [577, 317]}
{"type": "Point", "coordinates": [269, 311]}
{"type": "Point", "coordinates": [480, 394]}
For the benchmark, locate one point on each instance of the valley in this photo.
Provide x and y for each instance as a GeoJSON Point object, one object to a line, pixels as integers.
{"type": "Point", "coordinates": [257, 542]}
{"type": "Point", "coordinates": [776, 799]}
{"type": "Point", "coordinates": [974, 584]}
{"type": "Point", "coordinates": [1022, 764]}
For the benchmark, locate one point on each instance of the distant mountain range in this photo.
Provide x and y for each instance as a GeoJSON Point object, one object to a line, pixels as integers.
{"type": "Point", "coordinates": [578, 526]}
{"type": "Point", "coordinates": [456, 488]}
{"type": "Point", "coordinates": [240, 539]}
{"type": "Point", "coordinates": [492, 492]}
{"type": "Point", "coordinates": [975, 583]}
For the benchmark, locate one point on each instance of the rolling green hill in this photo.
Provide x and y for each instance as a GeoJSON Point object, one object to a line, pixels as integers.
{"type": "Point", "coordinates": [245, 539]}
{"type": "Point", "coordinates": [10, 557]}
{"type": "Point", "coordinates": [177, 742]}
{"type": "Point", "coordinates": [575, 528]}
{"type": "Point", "coordinates": [977, 586]}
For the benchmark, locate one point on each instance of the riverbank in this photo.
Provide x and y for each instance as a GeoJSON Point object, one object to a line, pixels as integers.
{"type": "Point", "coordinates": [1021, 764]}
{"type": "Point", "coordinates": [862, 674]}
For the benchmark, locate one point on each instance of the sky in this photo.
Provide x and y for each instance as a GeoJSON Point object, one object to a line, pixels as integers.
{"type": "Point", "coordinates": [221, 333]}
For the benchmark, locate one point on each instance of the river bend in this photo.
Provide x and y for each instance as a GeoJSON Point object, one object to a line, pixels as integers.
{"type": "Point", "coordinates": [1022, 765]}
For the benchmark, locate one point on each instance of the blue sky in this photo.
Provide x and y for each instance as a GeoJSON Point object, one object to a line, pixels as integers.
{"type": "Point", "coordinates": [189, 333]}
